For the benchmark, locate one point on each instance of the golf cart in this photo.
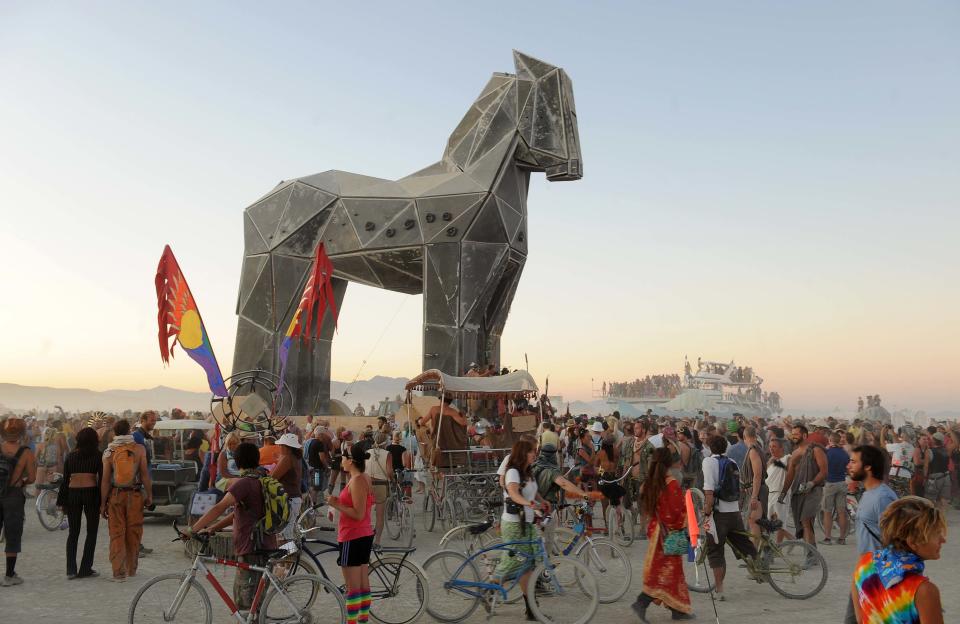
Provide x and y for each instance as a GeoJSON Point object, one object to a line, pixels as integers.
{"type": "Point", "coordinates": [173, 472]}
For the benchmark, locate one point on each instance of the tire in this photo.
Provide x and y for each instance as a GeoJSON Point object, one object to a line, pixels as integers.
{"type": "Point", "coordinates": [610, 565]}
{"type": "Point", "coordinates": [789, 574]}
{"type": "Point", "coordinates": [429, 512]}
{"type": "Point", "coordinates": [448, 519]}
{"type": "Point", "coordinates": [698, 574]}
{"type": "Point", "coordinates": [565, 594]}
{"type": "Point", "coordinates": [151, 601]}
{"type": "Point", "coordinates": [315, 598]}
{"type": "Point", "coordinates": [399, 591]}
{"type": "Point", "coordinates": [292, 564]}
{"type": "Point", "coordinates": [621, 531]}
{"type": "Point", "coordinates": [50, 515]}
{"type": "Point", "coordinates": [850, 509]}
{"type": "Point", "coordinates": [392, 520]}
{"type": "Point", "coordinates": [561, 538]}
{"type": "Point", "coordinates": [449, 604]}
{"type": "Point", "coordinates": [407, 532]}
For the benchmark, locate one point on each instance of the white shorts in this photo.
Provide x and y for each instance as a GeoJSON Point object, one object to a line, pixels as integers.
{"type": "Point", "coordinates": [779, 511]}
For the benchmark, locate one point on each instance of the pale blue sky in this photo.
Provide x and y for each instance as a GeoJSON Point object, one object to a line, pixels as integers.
{"type": "Point", "coordinates": [772, 182]}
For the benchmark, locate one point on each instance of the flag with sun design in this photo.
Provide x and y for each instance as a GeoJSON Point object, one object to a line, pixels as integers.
{"type": "Point", "coordinates": [179, 319]}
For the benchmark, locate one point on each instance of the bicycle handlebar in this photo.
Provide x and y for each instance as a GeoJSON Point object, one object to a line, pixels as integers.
{"type": "Point", "coordinates": [620, 478]}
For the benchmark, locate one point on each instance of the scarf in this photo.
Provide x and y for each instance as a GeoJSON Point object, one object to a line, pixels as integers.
{"type": "Point", "coordinates": [893, 565]}
{"type": "Point", "coordinates": [118, 441]}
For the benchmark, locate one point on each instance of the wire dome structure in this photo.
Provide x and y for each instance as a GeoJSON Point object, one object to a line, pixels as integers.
{"type": "Point", "coordinates": [252, 404]}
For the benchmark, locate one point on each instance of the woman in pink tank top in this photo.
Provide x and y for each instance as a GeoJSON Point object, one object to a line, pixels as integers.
{"type": "Point", "coordinates": [355, 534]}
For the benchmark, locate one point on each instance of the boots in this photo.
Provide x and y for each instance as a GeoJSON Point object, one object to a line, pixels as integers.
{"type": "Point", "coordinates": [677, 615]}
{"type": "Point", "coordinates": [529, 614]}
{"type": "Point", "coordinates": [640, 607]}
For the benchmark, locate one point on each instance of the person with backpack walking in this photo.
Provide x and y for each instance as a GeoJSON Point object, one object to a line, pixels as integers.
{"type": "Point", "coordinates": [249, 501]}
{"type": "Point", "coordinates": [125, 489]}
{"type": "Point", "coordinates": [289, 472]}
{"type": "Point", "coordinates": [17, 470]}
{"type": "Point", "coordinates": [663, 578]}
{"type": "Point", "coordinates": [355, 534]}
{"type": "Point", "coordinates": [79, 497]}
{"type": "Point", "coordinates": [721, 508]}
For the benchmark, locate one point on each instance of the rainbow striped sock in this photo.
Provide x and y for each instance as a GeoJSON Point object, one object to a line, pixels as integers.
{"type": "Point", "coordinates": [354, 600]}
{"type": "Point", "coordinates": [364, 607]}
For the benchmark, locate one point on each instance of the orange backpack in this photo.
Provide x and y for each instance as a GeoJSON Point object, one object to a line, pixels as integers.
{"type": "Point", "coordinates": [124, 461]}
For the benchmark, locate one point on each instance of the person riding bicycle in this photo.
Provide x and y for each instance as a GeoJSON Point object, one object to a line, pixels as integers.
{"type": "Point", "coordinates": [245, 495]}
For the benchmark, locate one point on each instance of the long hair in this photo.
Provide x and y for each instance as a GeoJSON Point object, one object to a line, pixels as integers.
{"type": "Point", "coordinates": [656, 481]}
{"type": "Point", "coordinates": [518, 457]}
{"type": "Point", "coordinates": [87, 441]}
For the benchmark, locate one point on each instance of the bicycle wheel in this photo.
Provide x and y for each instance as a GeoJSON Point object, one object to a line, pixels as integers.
{"type": "Point", "coordinates": [610, 564]}
{"type": "Point", "coordinates": [154, 602]}
{"type": "Point", "coordinates": [295, 563]}
{"type": "Point", "coordinates": [304, 599]}
{"type": "Point", "coordinates": [449, 603]}
{"type": "Point", "coordinates": [698, 574]}
{"type": "Point", "coordinates": [429, 516]}
{"type": "Point", "coordinates": [619, 526]}
{"type": "Point", "coordinates": [565, 592]}
{"type": "Point", "coordinates": [392, 520]}
{"type": "Point", "coordinates": [398, 589]}
{"type": "Point", "coordinates": [50, 515]}
{"type": "Point", "coordinates": [448, 517]}
{"type": "Point", "coordinates": [795, 569]}
{"type": "Point", "coordinates": [407, 532]}
{"type": "Point", "coordinates": [558, 539]}
{"type": "Point", "coordinates": [698, 502]}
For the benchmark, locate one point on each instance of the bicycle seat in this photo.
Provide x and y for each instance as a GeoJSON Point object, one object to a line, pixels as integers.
{"type": "Point", "coordinates": [483, 527]}
{"type": "Point", "coordinates": [770, 525]}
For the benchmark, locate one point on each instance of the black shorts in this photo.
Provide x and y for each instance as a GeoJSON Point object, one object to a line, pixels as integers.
{"type": "Point", "coordinates": [356, 552]}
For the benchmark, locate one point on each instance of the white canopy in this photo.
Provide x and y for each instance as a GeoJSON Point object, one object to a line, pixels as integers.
{"type": "Point", "coordinates": [518, 384]}
{"type": "Point", "coordinates": [176, 425]}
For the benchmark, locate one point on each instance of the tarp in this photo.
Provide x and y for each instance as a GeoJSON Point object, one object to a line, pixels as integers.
{"type": "Point", "coordinates": [516, 385]}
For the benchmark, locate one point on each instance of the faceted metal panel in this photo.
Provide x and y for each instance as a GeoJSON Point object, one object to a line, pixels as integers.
{"type": "Point", "coordinates": [253, 243]}
{"type": "Point", "coordinates": [370, 216]}
{"type": "Point", "coordinates": [305, 203]}
{"type": "Point", "coordinates": [438, 213]}
{"type": "Point", "coordinates": [355, 269]}
{"type": "Point", "coordinates": [259, 304]}
{"type": "Point", "coordinates": [252, 265]}
{"type": "Point", "coordinates": [266, 213]}
{"type": "Point", "coordinates": [289, 277]}
{"type": "Point", "coordinates": [487, 226]}
{"type": "Point", "coordinates": [454, 230]}
{"type": "Point", "coordinates": [479, 262]}
{"type": "Point", "coordinates": [403, 230]}
{"type": "Point", "coordinates": [303, 242]}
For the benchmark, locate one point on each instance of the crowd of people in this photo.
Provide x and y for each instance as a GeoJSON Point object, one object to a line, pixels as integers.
{"type": "Point", "coordinates": [787, 468]}
{"type": "Point", "coordinates": [651, 386]}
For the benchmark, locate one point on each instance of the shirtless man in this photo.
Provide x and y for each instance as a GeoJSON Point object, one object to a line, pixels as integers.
{"type": "Point", "coordinates": [448, 431]}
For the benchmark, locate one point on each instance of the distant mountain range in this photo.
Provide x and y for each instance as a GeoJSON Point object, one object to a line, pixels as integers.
{"type": "Point", "coordinates": [19, 398]}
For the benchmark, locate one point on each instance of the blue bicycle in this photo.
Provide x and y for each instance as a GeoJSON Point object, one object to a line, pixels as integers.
{"type": "Point", "coordinates": [562, 590]}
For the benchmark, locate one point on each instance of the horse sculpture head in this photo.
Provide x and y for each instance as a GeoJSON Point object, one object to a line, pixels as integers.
{"type": "Point", "coordinates": [536, 104]}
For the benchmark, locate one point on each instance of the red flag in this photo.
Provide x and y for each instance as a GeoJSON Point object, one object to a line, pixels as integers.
{"type": "Point", "coordinates": [317, 298]}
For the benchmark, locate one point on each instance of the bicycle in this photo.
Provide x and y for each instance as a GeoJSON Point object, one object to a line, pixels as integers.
{"type": "Point", "coordinates": [302, 599]}
{"type": "Point", "coordinates": [398, 519]}
{"type": "Point", "coordinates": [562, 590]}
{"type": "Point", "coordinates": [783, 566]}
{"type": "Point", "coordinates": [608, 561]}
{"type": "Point", "coordinates": [51, 516]}
{"type": "Point", "coordinates": [852, 501]}
{"type": "Point", "coordinates": [398, 586]}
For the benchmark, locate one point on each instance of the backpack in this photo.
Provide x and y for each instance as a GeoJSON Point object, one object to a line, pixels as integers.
{"type": "Point", "coordinates": [694, 466]}
{"type": "Point", "coordinates": [7, 466]}
{"type": "Point", "coordinates": [728, 489]}
{"type": "Point", "coordinates": [124, 461]}
{"type": "Point", "coordinates": [276, 505]}
{"type": "Point", "coordinates": [626, 454]}
{"type": "Point", "coordinates": [546, 477]}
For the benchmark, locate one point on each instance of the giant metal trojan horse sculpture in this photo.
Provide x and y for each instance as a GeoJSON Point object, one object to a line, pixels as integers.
{"type": "Point", "coordinates": [455, 231]}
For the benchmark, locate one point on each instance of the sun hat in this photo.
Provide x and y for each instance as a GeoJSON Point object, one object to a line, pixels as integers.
{"type": "Point", "coordinates": [289, 439]}
{"type": "Point", "coordinates": [596, 426]}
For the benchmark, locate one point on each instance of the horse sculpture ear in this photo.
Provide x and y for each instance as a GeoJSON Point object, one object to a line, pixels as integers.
{"type": "Point", "coordinates": [530, 68]}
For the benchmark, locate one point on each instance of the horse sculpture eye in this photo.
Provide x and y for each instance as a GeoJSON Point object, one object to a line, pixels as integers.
{"type": "Point", "coordinates": [451, 231]}
{"type": "Point", "coordinates": [408, 224]}
{"type": "Point", "coordinates": [390, 232]}
{"type": "Point", "coordinates": [430, 217]}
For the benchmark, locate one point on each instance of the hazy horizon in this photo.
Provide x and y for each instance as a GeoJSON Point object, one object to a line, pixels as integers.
{"type": "Point", "coordinates": [771, 184]}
